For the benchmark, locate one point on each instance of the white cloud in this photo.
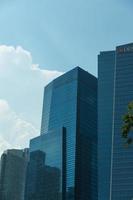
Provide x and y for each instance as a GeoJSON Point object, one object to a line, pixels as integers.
{"type": "Point", "coordinates": [4, 145]}
{"type": "Point", "coordinates": [4, 107]}
{"type": "Point", "coordinates": [15, 132]}
{"type": "Point", "coordinates": [21, 87]}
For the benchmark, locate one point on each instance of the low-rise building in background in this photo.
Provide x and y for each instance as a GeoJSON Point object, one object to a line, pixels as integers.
{"type": "Point", "coordinates": [13, 173]}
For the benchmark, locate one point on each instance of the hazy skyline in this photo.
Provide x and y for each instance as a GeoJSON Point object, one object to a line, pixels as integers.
{"type": "Point", "coordinates": [39, 40]}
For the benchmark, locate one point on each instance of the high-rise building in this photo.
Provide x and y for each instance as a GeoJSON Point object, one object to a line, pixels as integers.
{"type": "Point", "coordinates": [115, 91]}
{"type": "Point", "coordinates": [68, 138]}
{"type": "Point", "coordinates": [13, 174]}
{"type": "Point", "coordinates": [42, 181]}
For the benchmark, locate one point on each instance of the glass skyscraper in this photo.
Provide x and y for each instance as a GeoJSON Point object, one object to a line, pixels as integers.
{"type": "Point", "coordinates": [69, 137]}
{"type": "Point", "coordinates": [42, 181]}
{"type": "Point", "coordinates": [115, 91]}
{"type": "Point", "coordinates": [13, 174]}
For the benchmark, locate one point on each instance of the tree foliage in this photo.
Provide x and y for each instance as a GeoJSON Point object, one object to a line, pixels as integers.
{"type": "Point", "coordinates": [127, 126]}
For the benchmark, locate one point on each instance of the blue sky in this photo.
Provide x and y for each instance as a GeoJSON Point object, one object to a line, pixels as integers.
{"type": "Point", "coordinates": [41, 39]}
{"type": "Point", "coordinates": [62, 34]}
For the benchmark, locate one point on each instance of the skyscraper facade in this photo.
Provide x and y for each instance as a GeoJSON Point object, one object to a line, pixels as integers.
{"type": "Point", "coordinates": [106, 63]}
{"type": "Point", "coordinates": [114, 93]}
{"type": "Point", "coordinates": [13, 174]}
{"type": "Point", "coordinates": [69, 134]}
{"type": "Point", "coordinates": [42, 181]}
{"type": "Point", "coordinates": [46, 173]}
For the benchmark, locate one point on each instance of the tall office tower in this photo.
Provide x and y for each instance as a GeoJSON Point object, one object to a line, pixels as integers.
{"type": "Point", "coordinates": [39, 176]}
{"type": "Point", "coordinates": [115, 91]}
{"type": "Point", "coordinates": [69, 137]}
{"type": "Point", "coordinates": [13, 174]}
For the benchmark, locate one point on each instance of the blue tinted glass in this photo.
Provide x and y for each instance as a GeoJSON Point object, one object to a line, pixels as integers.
{"type": "Point", "coordinates": [114, 93]}
{"type": "Point", "coordinates": [70, 101]}
{"type": "Point", "coordinates": [106, 65]}
{"type": "Point", "coordinates": [122, 162]}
